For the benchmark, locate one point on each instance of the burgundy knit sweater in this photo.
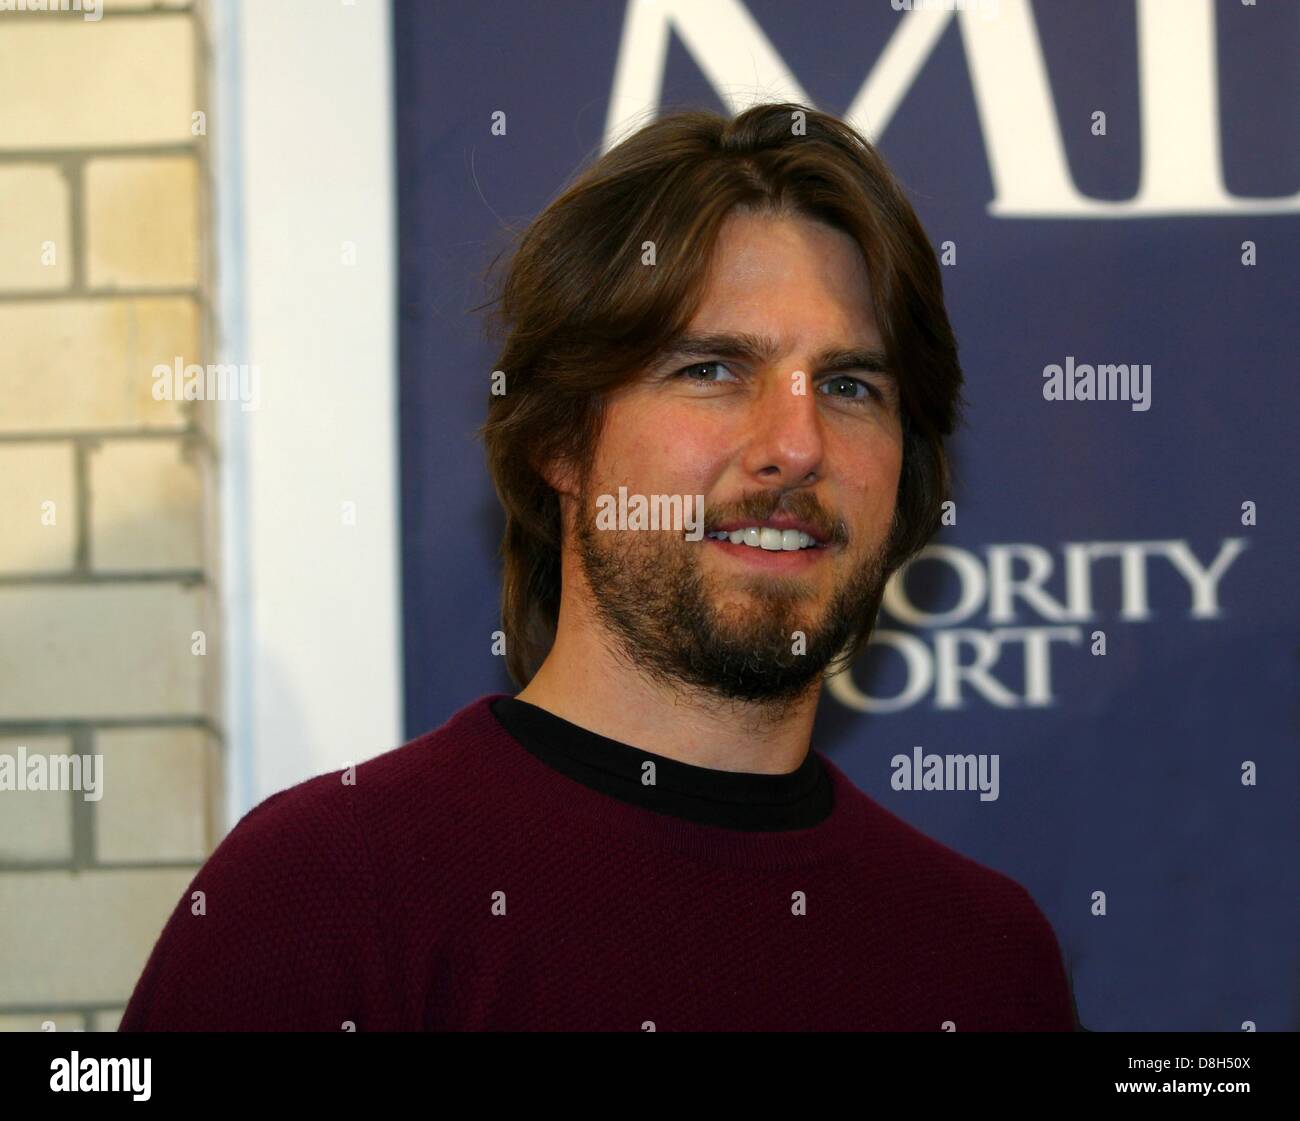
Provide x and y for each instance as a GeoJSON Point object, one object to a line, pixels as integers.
{"type": "Point", "coordinates": [461, 882]}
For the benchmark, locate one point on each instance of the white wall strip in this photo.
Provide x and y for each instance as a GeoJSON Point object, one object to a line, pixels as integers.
{"type": "Point", "coordinates": [306, 247]}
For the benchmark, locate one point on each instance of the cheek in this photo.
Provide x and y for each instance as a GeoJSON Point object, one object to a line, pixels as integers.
{"type": "Point", "coordinates": [877, 472]}
{"type": "Point", "coordinates": [662, 451]}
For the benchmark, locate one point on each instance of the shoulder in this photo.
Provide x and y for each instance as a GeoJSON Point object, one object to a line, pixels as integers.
{"type": "Point", "coordinates": [268, 930]}
{"type": "Point", "coordinates": [317, 832]}
{"type": "Point", "coordinates": [282, 927]}
{"type": "Point", "coordinates": [440, 793]}
{"type": "Point", "coordinates": [949, 878]}
{"type": "Point", "coordinates": [308, 827]}
{"type": "Point", "coordinates": [903, 853]}
{"type": "Point", "coordinates": [971, 914]}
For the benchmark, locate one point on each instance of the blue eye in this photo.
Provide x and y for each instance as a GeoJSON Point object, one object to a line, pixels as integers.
{"type": "Point", "coordinates": [868, 391]}
{"type": "Point", "coordinates": [686, 371]}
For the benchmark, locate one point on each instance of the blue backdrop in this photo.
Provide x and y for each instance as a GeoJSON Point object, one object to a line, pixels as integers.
{"type": "Point", "coordinates": [1163, 235]}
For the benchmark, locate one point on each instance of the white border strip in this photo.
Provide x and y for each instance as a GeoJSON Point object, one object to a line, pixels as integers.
{"type": "Point", "coordinates": [304, 145]}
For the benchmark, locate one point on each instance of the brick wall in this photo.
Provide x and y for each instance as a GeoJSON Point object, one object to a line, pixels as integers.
{"type": "Point", "coordinates": [108, 585]}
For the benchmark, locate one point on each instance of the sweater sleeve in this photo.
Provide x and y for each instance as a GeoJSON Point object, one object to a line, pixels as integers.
{"type": "Point", "coordinates": [278, 931]}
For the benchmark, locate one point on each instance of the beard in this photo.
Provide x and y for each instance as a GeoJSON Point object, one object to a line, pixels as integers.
{"type": "Point", "coordinates": [652, 594]}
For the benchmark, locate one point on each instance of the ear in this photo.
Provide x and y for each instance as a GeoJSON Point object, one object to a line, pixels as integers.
{"type": "Point", "coordinates": [561, 477]}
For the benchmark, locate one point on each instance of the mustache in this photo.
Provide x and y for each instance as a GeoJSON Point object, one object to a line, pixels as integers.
{"type": "Point", "coordinates": [761, 505]}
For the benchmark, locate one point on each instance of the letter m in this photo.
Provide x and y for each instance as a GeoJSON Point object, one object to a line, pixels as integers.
{"type": "Point", "coordinates": [1177, 73]}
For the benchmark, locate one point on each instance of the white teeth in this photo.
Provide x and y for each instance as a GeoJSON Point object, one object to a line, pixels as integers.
{"type": "Point", "coordinates": [765, 537]}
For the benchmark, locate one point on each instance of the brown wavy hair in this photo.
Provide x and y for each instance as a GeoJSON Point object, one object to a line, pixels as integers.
{"type": "Point", "coordinates": [581, 315]}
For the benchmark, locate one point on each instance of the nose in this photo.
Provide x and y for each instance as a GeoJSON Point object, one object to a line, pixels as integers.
{"type": "Point", "coordinates": [784, 444]}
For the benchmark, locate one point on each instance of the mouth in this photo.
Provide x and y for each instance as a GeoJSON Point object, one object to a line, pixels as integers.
{"type": "Point", "coordinates": [770, 538]}
{"type": "Point", "coordinates": [769, 548]}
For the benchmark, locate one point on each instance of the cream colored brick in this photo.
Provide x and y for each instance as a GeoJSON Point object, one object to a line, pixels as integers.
{"type": "Point", "coordinates": [38, 507]}
{"type": "Point", "coordinates": [69, 83]}
{"type": "Point", "coordinates": [209, 418]}
{"type": "Point", "coordinates": [89, 363]}
{"type": "Point", "coordinates": [142, 222]}
{"type": "Point", "coordinates": [107, 1020]}
{"type": "Point", "coordinates": [210, 476]}
{"type": "Point", "coordinates": [35, 824]}
{"type": "Point", "coordinates": [87, 651]}
{"type": "Point", "coordinates": [32, 1021]}
{"type": "Point", "coordinates": [155, 795]}
{"type": "Point", "coordinates": [145, 505]}
{"type": "Point", "coordinates": [35, 235]}
{"type": "Point", "coordinates": [111, 6]}
{"type": "Point", "coordinates": [81, 936]}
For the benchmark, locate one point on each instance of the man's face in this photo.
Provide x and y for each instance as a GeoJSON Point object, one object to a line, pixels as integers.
{"type": "Point", "coordinates": [797, 434]}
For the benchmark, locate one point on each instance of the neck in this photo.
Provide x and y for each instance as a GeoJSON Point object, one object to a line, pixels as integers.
{"type": "Point", "coordinates": [588, 682]}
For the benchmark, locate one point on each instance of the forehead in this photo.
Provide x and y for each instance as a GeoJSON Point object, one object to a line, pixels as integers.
{"type": "Point", "coordinates": [788, 276]}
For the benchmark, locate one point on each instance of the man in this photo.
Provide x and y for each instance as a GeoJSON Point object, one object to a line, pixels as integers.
{"type": "Point", "coordinates": [728, 376]}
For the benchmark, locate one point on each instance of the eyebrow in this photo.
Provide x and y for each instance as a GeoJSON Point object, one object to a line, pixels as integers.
{"type": "Point", "coordinates": [760, 348]}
